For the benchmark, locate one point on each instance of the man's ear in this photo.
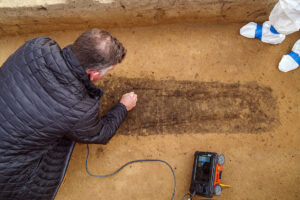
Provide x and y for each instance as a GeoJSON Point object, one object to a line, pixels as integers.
{"type": "Point", "coordinates": [94, 75]}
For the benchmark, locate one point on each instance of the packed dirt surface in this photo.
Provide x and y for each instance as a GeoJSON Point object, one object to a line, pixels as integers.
{"type": "Point", "coordinates": [200, 88]}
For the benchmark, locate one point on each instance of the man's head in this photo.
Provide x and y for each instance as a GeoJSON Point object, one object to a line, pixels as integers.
{"type": "Point", "coordinates": [98, 52]}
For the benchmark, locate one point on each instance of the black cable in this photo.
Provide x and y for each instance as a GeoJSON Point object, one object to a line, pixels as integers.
{"type": "Point", "coordinates": [128, 163]}
{"type": "Point", "coordinates": [187, 194]}
{"type": "Point", "coordinates": [190, 195]}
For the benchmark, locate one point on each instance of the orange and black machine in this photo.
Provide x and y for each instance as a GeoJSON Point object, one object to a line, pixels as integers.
{"type": "Point", "coordinates": [207, 174]}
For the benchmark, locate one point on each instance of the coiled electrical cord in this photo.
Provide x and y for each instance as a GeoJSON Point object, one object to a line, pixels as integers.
{"type": "Point", "coordinates": [128, 163]}
{"type": "Point", "coordinates": [189, 195]}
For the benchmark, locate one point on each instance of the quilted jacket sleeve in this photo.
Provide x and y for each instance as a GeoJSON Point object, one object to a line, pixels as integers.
{"type": "Point", "coordinates": [98, 130]}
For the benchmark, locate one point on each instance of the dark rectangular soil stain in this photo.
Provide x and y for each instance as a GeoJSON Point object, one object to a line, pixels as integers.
{"type": "Point", "coordinates": [176, 107]}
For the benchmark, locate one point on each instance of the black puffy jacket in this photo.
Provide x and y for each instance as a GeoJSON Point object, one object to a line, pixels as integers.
{"type": "Point", "coordinates": [47, 103]}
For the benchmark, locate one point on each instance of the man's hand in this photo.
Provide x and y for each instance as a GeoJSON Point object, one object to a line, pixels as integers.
{"type": "Point", "coordinates": [129, 100]}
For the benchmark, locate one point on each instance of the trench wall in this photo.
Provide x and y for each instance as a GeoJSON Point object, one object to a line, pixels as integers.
{"type": "Point", "coordinates": [19, 17]}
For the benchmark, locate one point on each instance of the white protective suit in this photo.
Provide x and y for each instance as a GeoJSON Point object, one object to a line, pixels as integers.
{"type": "Point", "coordinates": [285, 16]}
{"type": "Point", "coordinates": [283, 20]}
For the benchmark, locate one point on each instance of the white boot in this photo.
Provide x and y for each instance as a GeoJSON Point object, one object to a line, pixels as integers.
{"type": "Point", "coordinates": [266, 32]}
{"type": "Point", "coordinates": [291, 61]}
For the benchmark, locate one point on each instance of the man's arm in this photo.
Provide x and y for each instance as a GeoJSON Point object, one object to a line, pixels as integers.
{"type": "Point", "coordinates": [94, 129]}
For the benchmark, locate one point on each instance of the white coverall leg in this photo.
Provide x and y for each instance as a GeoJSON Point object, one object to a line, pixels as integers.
{"type": "Point", "coordinates": [283, 20]}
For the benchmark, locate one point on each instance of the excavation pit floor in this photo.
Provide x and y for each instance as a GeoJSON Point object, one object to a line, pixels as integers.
{"type": "Point", "coordinates": [201, 87]}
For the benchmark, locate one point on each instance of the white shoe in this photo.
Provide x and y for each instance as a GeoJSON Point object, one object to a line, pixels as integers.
{"type": "Point", "coordinates": [291, 61]}
{"type": "Point", "coordinates": [266, 32]}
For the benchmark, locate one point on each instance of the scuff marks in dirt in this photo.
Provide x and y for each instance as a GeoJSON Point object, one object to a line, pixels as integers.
{"type": "Point", "coordinates": [175, 107]}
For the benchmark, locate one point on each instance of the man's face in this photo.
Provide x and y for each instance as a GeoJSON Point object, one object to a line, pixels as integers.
{"type": "Point", "coordinates": [96, 75]}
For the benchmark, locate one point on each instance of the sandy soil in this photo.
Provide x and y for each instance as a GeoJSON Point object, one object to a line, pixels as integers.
{"type": "Point", "coordinates": [226, 92]}
{"type": "Point", "coordinates": [34, 16]}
